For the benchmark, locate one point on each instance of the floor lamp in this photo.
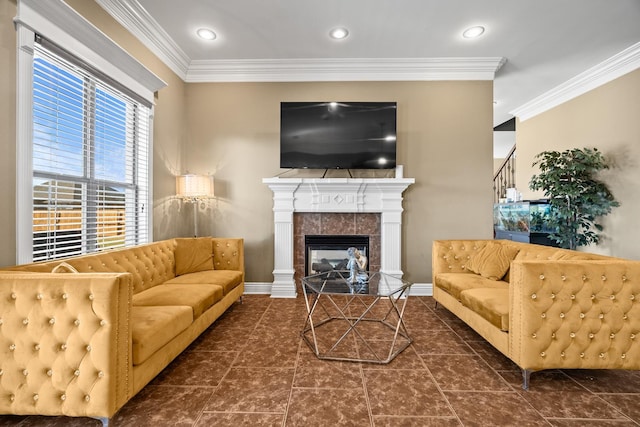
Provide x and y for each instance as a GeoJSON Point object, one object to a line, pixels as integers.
{"type": "Point", "coordinates": [194, 188]}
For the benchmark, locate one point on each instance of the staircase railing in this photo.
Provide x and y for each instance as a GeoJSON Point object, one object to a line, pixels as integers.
{"type": "Point", "coordinates": [505, 177]}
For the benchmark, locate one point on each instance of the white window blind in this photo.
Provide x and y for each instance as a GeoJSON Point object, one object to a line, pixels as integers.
{"type": "Point", "coordinates": [90, 159]}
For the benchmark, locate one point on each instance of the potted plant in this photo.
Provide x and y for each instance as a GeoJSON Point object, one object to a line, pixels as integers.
{"type": "Point", "coordinates": [577, 197]}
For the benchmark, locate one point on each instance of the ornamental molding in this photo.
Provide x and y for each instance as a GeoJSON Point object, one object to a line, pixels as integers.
{"type": "Point", "coordinates": [341, 69]}
{"type": "Point", "coordinates": [133, 16]}
{"type": "Point", "coordinates": [618, 65]}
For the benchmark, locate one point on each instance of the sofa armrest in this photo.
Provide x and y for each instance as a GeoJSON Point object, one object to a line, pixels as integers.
{"type": "Point", "coordinates": [228, 254]}
{"type": "Point", "coordinates": [451, 256]}
{"type": "Point", "coordinates": [575, 314]}
{"type": "Point", "coordinates": [65, 343]}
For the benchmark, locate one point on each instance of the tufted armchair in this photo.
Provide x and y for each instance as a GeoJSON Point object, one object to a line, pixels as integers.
{"type": "Point", "coordinates": [83, 336]}
{"type": "Point", "coordinates": [551, 309]}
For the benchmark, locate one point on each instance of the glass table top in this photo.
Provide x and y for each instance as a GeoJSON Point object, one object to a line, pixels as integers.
{"type": "Point", "coordinates": [365, 283]}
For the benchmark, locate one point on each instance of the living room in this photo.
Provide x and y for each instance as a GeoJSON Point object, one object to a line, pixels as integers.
{"type": "Point", "coordinates": [231, 131]}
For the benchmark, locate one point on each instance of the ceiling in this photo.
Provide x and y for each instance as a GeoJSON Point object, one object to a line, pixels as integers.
{"type": "Point", "coordinates": [531, 47]}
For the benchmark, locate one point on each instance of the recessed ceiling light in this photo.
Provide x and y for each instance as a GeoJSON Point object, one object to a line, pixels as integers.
{"type": "Point", "coordinates": [205, 33]}
{"type": "Point", "coordinates": [339, 33]}
{"type": "Point", "coordinates": [473, 32]}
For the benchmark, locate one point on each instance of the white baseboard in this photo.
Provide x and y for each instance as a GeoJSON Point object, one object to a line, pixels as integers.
{"type": "Point", "coordinates": [257, 288]}
{"type": "Point", "coordinates": [264, 288]}
{"type": "Point", "coordinates": [421, 290]}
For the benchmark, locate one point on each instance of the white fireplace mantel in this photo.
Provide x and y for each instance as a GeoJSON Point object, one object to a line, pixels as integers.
{"type": "Point", "coordinates": [349, 195]}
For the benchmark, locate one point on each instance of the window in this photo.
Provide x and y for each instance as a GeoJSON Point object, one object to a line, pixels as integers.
{"type": "Point", "coordinates": [90, 159]}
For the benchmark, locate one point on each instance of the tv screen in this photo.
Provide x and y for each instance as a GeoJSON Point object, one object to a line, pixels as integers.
{"type": "Point", "coordinates": [338, 135]}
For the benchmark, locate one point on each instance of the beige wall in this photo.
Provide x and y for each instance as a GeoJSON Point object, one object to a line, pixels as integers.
{"type": "Point", "coordinates": [444, 142]}
{"type": "Point", "coordinates": [607, 118]}
{"type": "Point", "coordinates": [7, 132]}
{"type": "Point", "coordinates": [231, 130]}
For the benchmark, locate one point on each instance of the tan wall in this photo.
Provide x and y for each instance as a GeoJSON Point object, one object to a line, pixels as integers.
{"type": "Point", "coordinates": [606, 118]}
{"type": "Point", "coordinates": [444, 142]}
{"type": "Point", "coordinates": [7, 132]}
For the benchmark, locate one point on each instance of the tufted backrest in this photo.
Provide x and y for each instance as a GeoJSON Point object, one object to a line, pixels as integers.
{"type": "Point", "coordinates": [451, 256]}
{"type": "Point", "coordinates": [65, 343]}
{"type": "Point", "coordinates": [575, 314]}
{"type": "Point", "coordinates": [150, 264]}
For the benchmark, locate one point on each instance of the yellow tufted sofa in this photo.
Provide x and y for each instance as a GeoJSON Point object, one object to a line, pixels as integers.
{"type": "Point", "coordinates": [551, 309]}
{"type": "Point", "coordinates": [80, 337]}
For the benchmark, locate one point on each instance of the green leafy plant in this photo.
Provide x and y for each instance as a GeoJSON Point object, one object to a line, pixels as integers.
{"type": "Point", "coordinates": [577, 197]}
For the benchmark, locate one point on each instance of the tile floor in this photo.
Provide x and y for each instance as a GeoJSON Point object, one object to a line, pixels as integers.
{"type": "Point", "coordinates": [252, 369]}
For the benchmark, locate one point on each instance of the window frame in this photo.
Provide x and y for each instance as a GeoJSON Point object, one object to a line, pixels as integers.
{"type": "Point", "coordinates": [62, 25]}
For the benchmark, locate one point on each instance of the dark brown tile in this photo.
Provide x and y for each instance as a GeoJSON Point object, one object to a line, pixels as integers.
{"type": "Point", "coordinates": [607, 381]}
{"type": "Point", "coordinates": [218, 419]}
{"type": "Point", "coordinates": [439, 341]}
{"type": "Point", "coordinates": [14, 420]}
{"type": "Point", "coordinates": [494, 409]}
{"type": "Point", "coordinates": [411, 421]}
{"type": "Point", "coordinates": [327, 407]}
{"type": "Point", "coordinates": [463, 330]}
{"type": "Point", "coordinates": [570, 404]}
{"type": "Point", "coordinates": [222, 339]}
{"type": "Point", "coordinates": [42, 421]}
{"type": "Point", "coordinates": [404, 392]}
{"type": "Point", "coordinates": [421, 322]}
{"type": "Point", "coordinates": [329, 343]}
{"type": "Point", "coordinates": [407, 359]}
{"type": "Point", "coordinates": [379, 351]}
{"type": "Point", "coordinates": [160, 405]}
{"type": "Point", "coordinates": [461, 372]}
{"type": "Point", "coordinates": [263, 353]}
{"type": "Point", "coordinates": [628, 404]}
{"type": "Point", "coordinates": [493, 357]}
{"type": "Point", "coordinates": [312, 372]}
{"type": "Point", "coordinates": [551, 380]}
{"type": "Point", "coordinates": [591, 423]}
{"type": "Point", "coordinates": [196, 368]}
{"type": "Point", "coordinates": [252, 390]}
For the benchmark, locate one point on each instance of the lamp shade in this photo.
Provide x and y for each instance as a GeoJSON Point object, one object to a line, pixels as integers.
{"type": "Point", "coordinates": [192, 186]}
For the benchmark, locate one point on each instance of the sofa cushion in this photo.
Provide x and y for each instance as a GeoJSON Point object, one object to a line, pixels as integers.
{"type": "Point", "coordinates": [154, 326]}
{"type": "Point", "coordinates": [455, 283]}
{"type": "Point", "coordinates": [198, 297]}
{"type": "Point", "coordinates": [493, 260]}
{"type": "Point", "coordinates": [193, 255]}
{"type": "Point", "coordinates": [490, 303]}
{"type": "Point", "coordinates": [228, 279]}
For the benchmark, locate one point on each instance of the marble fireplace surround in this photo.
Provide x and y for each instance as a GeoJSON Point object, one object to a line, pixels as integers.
{"type": "Point", "coordinates": [327, 196]}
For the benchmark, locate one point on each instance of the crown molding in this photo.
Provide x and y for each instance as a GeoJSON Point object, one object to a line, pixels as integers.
{"type": "Point", "coordinates": [338, 69]}
{"type": "Point", "coordinates": [622, 63]}
{"type": "Point", "coordinates": [132, 16]}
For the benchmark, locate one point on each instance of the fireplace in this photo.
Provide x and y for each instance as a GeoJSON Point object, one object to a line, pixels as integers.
{"type": "Point", "coordinates": [345, 206]}
{"type": "Point", "coordinates": [324, 253]}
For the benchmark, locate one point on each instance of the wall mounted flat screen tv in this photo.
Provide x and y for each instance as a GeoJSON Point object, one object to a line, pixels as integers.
{"type": "Point", "coordinates": [338, 135]}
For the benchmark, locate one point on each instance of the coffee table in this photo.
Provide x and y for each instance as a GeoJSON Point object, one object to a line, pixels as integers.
{"type": "Point", "coordinates": [358, 322]}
